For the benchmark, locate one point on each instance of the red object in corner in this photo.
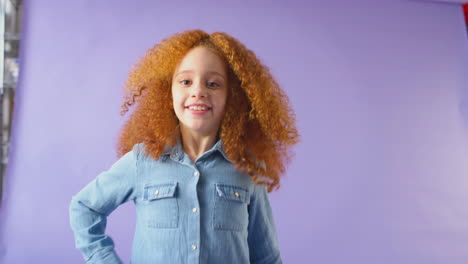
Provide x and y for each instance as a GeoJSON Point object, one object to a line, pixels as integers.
{"type": "Point", "coordinates": [465, 10]}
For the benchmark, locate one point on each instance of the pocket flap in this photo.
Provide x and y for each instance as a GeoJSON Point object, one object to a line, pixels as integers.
{"type": "Point", "coordinates": [232, 193]}
{"type": "Point", "coordinates": [159, 191]}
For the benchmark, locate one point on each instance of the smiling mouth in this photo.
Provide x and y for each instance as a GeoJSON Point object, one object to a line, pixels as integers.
{"type": "Point", "coordinates": [198, 108]}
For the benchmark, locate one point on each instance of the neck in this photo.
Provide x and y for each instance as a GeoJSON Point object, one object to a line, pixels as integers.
{"type": "Point", "coordinates": [195, 143]}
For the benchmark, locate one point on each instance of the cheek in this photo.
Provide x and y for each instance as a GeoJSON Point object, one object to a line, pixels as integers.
{"type": "Point", "coordinates": [223, 101]}
{"type": "Point", "coordinates": [177, 99]}
{"type": "Point", "coordinates": [176, 105]}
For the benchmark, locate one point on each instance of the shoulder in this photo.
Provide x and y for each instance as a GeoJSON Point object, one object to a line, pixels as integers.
{"type": "Point", "coordinates": [141, 152]}
{"type": "Point", "coordinates": [138, 148]}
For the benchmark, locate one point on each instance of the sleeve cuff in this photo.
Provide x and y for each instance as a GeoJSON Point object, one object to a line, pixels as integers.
{"type": "Point", "coordinates": [105, 257]}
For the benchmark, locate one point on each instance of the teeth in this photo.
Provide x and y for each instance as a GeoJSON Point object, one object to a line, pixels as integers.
{"type": "Point", "coordinates": [199, 108]}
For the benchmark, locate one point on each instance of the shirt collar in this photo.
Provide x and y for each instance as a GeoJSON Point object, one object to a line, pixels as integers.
{"type": "Point", "coordinates": [176, 152]}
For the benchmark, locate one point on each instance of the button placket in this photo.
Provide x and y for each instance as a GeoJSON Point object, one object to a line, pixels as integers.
{"type": "Point", "coordinates": [193, 234]}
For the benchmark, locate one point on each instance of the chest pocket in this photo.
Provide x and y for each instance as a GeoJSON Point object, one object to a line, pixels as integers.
{"type": "Point", "coordinates": [161, 205]}
{"type": "Point", "coordinates": [230, 208]}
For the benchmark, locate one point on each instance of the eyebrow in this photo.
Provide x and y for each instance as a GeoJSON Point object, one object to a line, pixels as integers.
{"type": "Point", "coordinates": [210, 72]}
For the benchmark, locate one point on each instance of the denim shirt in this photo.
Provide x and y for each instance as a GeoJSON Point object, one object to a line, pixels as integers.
{"type": "Point", "coordinates": [202, 212]}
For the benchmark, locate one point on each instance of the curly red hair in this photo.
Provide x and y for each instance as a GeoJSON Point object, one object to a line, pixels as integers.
{"type": "Point", "coordinates": [258, 127]}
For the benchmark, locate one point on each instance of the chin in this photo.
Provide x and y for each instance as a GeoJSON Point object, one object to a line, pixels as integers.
{"type": "Point", "coordinates": [199, 128]}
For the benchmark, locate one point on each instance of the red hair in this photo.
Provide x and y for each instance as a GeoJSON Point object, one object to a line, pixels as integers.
{"type": "Point", "coordinates": [258, 127]}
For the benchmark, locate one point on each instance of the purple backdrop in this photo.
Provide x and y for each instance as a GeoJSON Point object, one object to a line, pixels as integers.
{"type": "Point", "coordinates": [380, 92]}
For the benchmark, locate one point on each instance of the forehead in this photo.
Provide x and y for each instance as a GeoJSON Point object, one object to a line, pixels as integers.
{"type": "Point", "coordinates": [201, 60]}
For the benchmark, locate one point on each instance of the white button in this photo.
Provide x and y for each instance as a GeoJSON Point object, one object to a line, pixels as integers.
{"type": "Point", "coordinates": [194, 246]}
{"type": "Point", "coordinates": [196, 173]}
{"type": "Point", "coordinates": [174, 155]}
{"type": "Point", "coordinates": [194, 210]}
{"type": "Point", "coordinates": [236, 194]}
{"type": "Point", "coordinates": [156, 192]}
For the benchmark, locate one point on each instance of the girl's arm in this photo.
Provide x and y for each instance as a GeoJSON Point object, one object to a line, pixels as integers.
{"type": "Point", "coordinates": [262, 238]}
{"type": "Point", "coordinates": [91, 206]}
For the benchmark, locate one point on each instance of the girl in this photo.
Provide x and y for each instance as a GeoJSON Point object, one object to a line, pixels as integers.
{"type": "Point", "coordinates": [208, 138]}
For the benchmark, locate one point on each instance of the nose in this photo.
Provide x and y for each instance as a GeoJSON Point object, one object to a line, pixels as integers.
{"type": "Point", "coordinates": [198, 90]}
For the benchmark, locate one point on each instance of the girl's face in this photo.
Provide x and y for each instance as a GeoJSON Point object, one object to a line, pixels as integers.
{"type": "Point", "coordinates": [199, 91]}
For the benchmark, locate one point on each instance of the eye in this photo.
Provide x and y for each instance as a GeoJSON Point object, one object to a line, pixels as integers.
{"type": "Point", "coordinates": [185, 82]}
{"type": "Point", "coordinates": [213, 84]}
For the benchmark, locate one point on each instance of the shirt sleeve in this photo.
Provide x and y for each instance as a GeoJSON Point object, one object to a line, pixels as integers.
{"type": "Point", "coordinates": [262, 237]}
{"type": "Point", "coordinates": [90, 207]}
